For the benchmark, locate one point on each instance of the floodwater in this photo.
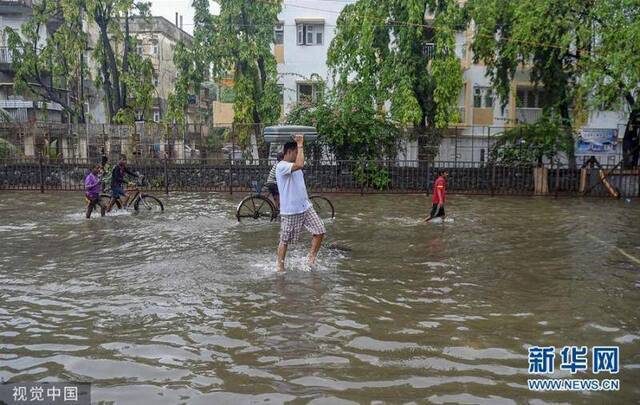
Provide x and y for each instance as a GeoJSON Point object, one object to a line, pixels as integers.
{"type": "Point", "coordinates": [185, 306]}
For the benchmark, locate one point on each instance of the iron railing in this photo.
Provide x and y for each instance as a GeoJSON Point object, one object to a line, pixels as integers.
{"type": "Point", "coordinates": [341, 176]}
{"type": "Point", "coordinates": [199, 142]}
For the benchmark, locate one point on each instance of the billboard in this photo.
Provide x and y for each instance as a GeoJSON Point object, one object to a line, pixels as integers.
{"type": "Point", "coordinates": [592, 141]}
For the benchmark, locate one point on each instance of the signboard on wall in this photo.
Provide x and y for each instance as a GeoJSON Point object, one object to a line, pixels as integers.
{"type": "Point", "coordinates": [593, 141]}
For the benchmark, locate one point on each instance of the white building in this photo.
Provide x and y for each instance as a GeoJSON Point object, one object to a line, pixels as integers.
{"type": "Point", "coordinates": [302, 41]}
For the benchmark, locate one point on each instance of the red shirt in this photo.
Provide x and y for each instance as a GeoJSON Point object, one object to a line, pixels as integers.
{"type": "Point", "coordinates": [439, 191]}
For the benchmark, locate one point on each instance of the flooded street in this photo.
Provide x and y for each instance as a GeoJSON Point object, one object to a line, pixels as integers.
{"type": "Point", "coordinates": [185, 306]}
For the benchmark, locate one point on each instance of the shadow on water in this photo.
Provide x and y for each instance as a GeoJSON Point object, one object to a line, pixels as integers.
{"type": "Point", "coordinates": [185, 306]}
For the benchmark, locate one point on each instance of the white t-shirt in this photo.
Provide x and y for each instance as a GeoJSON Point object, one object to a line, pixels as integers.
{"type": "Point", "coordinates": [293, 192]}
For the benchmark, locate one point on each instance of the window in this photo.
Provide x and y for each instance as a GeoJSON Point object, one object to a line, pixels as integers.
{"type": "Point", "coordinates": [156, 116]}
{"type": "Point", "coordinates": [156, 81]}
{"type": "Point", "coordinates": [483, 97]}
{"type": "Point", "coordinates": [278, 34]}
{"type": "Point", "coordinates": [309, 92]}
{"type": "Point", "coordinates": [530, 98]}
{"type": "Point", "coordinates": [139, 116]}
{"type": "Point", "coordinates": [429, 50]}
{"type": "Point", "coordinates": [139, 49]}
{"type": "Point", "coordinates": [156, 50]}
{"type": "Point", "coordinates": [310, 34]}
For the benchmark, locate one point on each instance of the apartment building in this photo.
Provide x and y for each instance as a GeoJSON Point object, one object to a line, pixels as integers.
{"type": "Point", "coordinates": [302, 38]}
{"type": "Point", "coordinates": [157, 39]}
{"type": "Point", "coordinates": [482, 116]}
{"type": "Point", "coordinates": [301, 41]}
{"type": "Point", "coordinates": [17, 107]}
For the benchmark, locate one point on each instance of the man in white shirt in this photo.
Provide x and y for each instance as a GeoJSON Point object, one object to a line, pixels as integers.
{"type": "Point", "coordinates": [296, 210]}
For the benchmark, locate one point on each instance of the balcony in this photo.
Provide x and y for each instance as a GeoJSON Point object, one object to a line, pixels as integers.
{"type": "Point", "coordinates": [5, 55]}
{"type": "Point", "coordinates": [528, 115]}
{"type": "Point", "coordinates": [15, 6]}
{"type": "Point", "coordinates": [26, 104]}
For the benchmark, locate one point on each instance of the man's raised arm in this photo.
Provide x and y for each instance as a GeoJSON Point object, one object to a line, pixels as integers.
{"type": "Point", "coordinates": [299, 163]}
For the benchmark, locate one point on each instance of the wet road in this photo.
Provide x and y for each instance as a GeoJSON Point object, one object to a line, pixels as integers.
{"type": "Point", "coordinates": [185, 306]}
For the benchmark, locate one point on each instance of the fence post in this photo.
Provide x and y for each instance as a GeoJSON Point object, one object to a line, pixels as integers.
{"type": "Point", "coordinates": [493, 179]}
{"type": "Point", "coordinates": [41, 172]}
{"type": "Point", "coordinates": [557, 179]}
{"type": "Point", "coordinates": [166, 175]}
{"type": "Point", "coordinates": [230, 174]}
{"type": "Point", "coordinates": [364, 178]}
{"type": "Point", "coordinates": [427, 178]}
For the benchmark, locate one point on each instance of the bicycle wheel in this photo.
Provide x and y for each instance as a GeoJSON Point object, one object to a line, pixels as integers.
{"type": "Point", "coordinates": [148, 203]}
{"type": "Point", "coordinates": [323, 207]}
{"type": "Point", "coordinates": [256, 207]}
{"type": "Point", "coordinates": [106, 198]}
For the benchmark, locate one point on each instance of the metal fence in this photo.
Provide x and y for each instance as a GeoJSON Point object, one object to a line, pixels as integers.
{"type": "Point", "coordinates": [198, 142]}
{"type": "Point", "coordinates": [343, 176]}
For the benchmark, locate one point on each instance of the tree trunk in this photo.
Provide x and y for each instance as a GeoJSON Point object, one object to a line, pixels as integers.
{"type": "Point", "coordinates": [112, 89]}
{"type": "Point", "coordinates": [631, 140]}
{"type": "Point", "coordinates": [125, 58]}
{"type": "Point", "coordinates": [568, 133]}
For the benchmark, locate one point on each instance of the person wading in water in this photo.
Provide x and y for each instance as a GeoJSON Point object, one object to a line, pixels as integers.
{"type": "Point", "coordinates": [439, 196]}
{"type": "Point", "coordinates": [296, 211]}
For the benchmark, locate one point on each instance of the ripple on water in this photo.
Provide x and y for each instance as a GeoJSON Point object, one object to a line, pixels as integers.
{"type": "Point", "coordinates": [186, 306]}
{"type": "Point", "coordinates": [370, 344]}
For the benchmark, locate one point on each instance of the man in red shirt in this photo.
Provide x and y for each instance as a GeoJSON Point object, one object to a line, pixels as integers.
{"type": "Point", "coordinates": [439, 195]}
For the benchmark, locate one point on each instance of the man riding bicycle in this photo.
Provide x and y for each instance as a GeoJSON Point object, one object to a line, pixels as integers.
{"type": "Point", "coordinates": [117, 180]}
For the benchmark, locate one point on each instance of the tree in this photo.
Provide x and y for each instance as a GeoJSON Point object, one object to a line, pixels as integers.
{"type": "Point", "coordinates": [350, 131]}
{"type": "Point", "coordinates": [237, 43]}
{"type": "Point", "coordinates": [531, 143]}
{"type": "Point", "coordinates": [612, 69]}
{"type": "Point", "coordinates": [548, 39]}
{"type": "Point", "coordinates": [50, 67]}
{"type": "Point", "coordinates": [192, 71]}
{"type": "Point", "coordinates": [124, 76]}
{"type": "Point", "coordinates": [383, 56]}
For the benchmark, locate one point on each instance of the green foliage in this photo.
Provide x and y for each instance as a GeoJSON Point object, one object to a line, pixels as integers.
{"type": "Point", "coordinates": [50, 150]}
{"type": "Point", "coordinates": [237, 43]}
{"type": "Point", "coordinates": [46, 66]}
{"type": "Point", "coordinates": [7, 149]}
{"type": "Point", "coordinates": [611, 71]}
{"type": "Point", "coordinates": [351, 129]}
{"type": "Point", "coordinates": [191, 71]}
{"type": "Point", "coordinates": [124, 76]}
{"type": "Point", "coordinates": [531, 143]}
{"type": "Point", "coordinates": [50, 66]}
{"type": "Point", "coordinates": [215, 139]}
{"type": "Point", "coordinates": [372, 175]}
{"type": "Point", "coordinates": [377, 61]}
{"type": "Point", "coordinates": [227, 95]}
{"type": "Point", "coordinates": [553, 41]}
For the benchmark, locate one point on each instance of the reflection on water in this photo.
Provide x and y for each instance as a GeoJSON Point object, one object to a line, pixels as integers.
{"type": "Point", "coordinates": [185, 306]}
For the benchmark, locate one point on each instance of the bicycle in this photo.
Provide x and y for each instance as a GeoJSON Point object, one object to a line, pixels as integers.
{"type": "Point", "coordinates": [260, 206]}
{"type": "Point", "coordinates": [136, 198]}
